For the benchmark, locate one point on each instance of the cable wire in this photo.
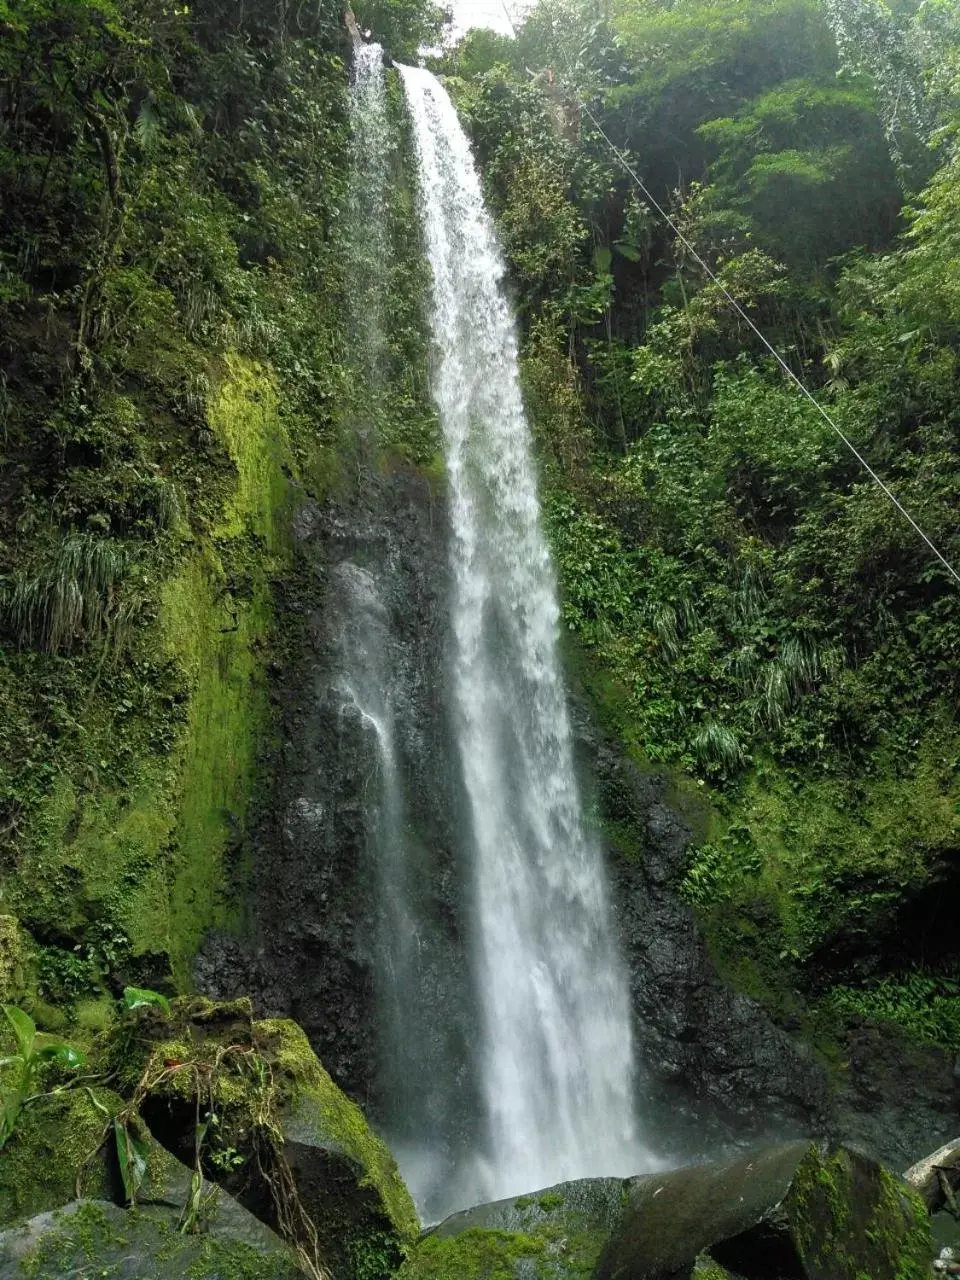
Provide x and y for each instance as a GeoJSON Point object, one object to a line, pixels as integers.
{"type": "Point", "coordinates": [705, 266]}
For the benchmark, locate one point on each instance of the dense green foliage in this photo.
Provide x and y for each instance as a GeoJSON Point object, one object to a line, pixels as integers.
{"type": "Point", "coordinates": [752, 607]}
{"type": "Point", "coordinates": [174, 365]}
{"type": "Point", "coordinates": [749, 607]}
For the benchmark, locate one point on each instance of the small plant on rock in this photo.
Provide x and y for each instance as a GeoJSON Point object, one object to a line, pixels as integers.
{"type": "Point", "coordinates": [21, 1071]}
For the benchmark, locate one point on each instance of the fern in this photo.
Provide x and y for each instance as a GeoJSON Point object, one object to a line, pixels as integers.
{"type": "Point", "coordinates": [147, 126]}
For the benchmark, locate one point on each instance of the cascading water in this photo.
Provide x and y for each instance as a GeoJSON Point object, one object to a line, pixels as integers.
{"type": "Point", "coordinates": [556, 1060]}
{"type": "Point", "coordinates": [368, 241]}
{"type": "Point", "coordinates": [382, 674]}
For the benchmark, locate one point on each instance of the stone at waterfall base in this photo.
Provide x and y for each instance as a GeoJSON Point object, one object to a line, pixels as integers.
{"type": "Point", "coordinates": [90, 1239]}
{"type": "Point", "coordinates": [784, 1212]}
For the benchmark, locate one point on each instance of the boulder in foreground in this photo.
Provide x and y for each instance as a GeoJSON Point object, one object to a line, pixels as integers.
{"type": "Point", "coordinates": [788, 1211]}
{"type": "Point", "coordinates": [95, 1238]}
{"type": "Point", "coordinates": [278, 1133]}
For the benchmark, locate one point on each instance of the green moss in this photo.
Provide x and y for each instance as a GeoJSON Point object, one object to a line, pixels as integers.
{"type": "Point", "coordinates": [80, 1234]}
{"type": "Point", "coordinates": [94, 1016]}
{"type": "Point", "coordinates": [244, 415]}
{"type": "Point", "coordinates": [558, 1234]}
{"type": "Point", "coordinates": [852, 1218]}
{"type": "Point", "coordinates": [55, 1140]}
{"type": "Point", "coordinates": [319, 1106]}
{"type": "Point", "coordinates": [217, 1260]}
{"type": "Point", "coordinates": [98, 1239]}
{"type": "Point", "coordinates": [14, 961]}
{"type": "Point", "coordinates": [793, 864]}
{"type": "Point", "coordinates": [910, 1251]}
{"type": "Point", "coordinates": [216, 614]}
{"type": "Point", "coordinates": [547, 1251]}
{"type": "Point", "coordinates": [126, 854]}
{"type": "Point", "coordinates": [706, 1269]}
{"type": "Point", "coordinates": [477, 1254]}
{"type": "Point", "coordinates": [839, 854]}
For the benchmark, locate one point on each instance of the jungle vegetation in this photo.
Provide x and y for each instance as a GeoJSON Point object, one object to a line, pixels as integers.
{"type": "Point", "coordinates": [745, 606]}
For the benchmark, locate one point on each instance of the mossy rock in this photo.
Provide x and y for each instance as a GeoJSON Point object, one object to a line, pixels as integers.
{"type": "Point", "coordinates": [337, 1158]}
{"type": "Point", "coordinates": [280, 1121]}
{"type": "Point", "coordinates": [14, 961]}
{"type": "Point", "coordinates": [56, 1141]}
{"type": "Point", "coordinates": [706, 1269]}
{"type": "Point", "coordinates": [555, 1234]}
{"type": "Point", "coordinates": [790, 1210]}
{"type": "Point", "coordinates": [91, 1238]}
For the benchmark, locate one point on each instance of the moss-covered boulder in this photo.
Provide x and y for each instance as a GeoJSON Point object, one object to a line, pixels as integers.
{"type": "Point", "coordinates": [56, 1142]}
{"type": "Point", "coordinates": [557, 1233]}
{"type": "Point", "coordinates": [789, 1210]}
{"type": "Point", "coordinates": [91, 1238]}
{"type": "Point", "coordinates": [276, 1131]}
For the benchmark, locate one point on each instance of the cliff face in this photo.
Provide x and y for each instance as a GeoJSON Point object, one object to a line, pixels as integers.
{"type": "Point", "coordinates": [168, 381]}
{"type": "Point", "coordinates": [372, 573]}
{"type": "Point", "coordinates": [370, 589]}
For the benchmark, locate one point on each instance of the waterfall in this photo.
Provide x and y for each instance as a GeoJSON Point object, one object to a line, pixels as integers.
{"type": "Point", "coordinates": [392, 724]}
{"type": "Point", "coordinates": [368, 241]}
{"type": "Point", "coordinates": [555, 1063]}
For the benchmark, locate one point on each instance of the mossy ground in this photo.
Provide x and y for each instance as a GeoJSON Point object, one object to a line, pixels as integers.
{"type": "Point", "coordinates": [474, 1255]}
{"type": "Point", "coordinates": [556, 1234]}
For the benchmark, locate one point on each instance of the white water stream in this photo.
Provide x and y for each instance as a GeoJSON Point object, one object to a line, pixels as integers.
{"type": "Point", "coordinates": [555, 1065]}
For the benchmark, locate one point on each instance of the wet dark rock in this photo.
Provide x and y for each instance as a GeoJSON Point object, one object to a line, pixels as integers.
{"type": "Point", "coordinates": [717, 1070]}
{"type": "Point", "coordinates": [894, 1097]}
{"type": "Point", "coordinates": [318, 907]}
{"type": "Point", "coordinates": [789, 1211]}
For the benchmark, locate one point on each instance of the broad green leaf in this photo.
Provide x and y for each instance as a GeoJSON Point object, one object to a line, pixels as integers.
{"type": "Point", "coordinates": [141, 997]}
{"type": "Point", "coordinates": [602, 259]}
{"type": "Point", "coordinates": [132, 1158]}
{"type": "Point", "coordinates": [64, 1055]}
{"type": "Point", "coordinates": [24, 1028]}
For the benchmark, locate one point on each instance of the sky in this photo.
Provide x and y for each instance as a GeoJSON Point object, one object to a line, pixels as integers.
{"type": "Point", "coordinates": [483, 13]}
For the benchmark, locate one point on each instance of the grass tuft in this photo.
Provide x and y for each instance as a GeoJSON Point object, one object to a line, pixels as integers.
{"type": "Point", "coordinates": [75, 596]}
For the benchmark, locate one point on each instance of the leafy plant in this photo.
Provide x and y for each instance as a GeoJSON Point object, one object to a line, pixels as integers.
{"type": "Point", "coordinates": [132, 1154]}
{"type": "Point", "coordinates": [143, 997]}
{"type": "Point", "coordinates": [21, 1072]}
{"type": "Point", "coordinates": [926, 1005]}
